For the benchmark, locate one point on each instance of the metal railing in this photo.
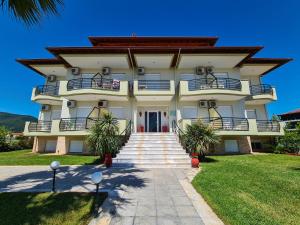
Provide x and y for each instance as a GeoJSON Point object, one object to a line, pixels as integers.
{"type": "Point", "coordinates": [225, 123]}
{"type": "Point", "coordinates": [155, 85]}
{"type": "Point", "coordinates": [40, 126]}
{"type": "Point", "coordinates": [93, 83]}
{"type": "Point", "coordinates": [125, 135]}
{"type": "Point", "coordinates": [73, 124]}
{"type": "Point", "coordinates": [46, 90]}
{"type": "Point", "coordinates": [261, 89]}
{"type": "Point", "coordinates": [181, 136]}
{"type": "Point", "coordinates": [211, 83]}
{"type": "Point", "coordinates": [267, 126]}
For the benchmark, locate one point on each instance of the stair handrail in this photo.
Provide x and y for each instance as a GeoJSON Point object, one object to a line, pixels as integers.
{"type": "Point", "coordinates": [181, 135]}
{"type": "Point", "coordinates": [125, 134]}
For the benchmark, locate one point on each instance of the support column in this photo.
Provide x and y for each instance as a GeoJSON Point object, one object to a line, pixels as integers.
{"type": "Point", "coordinates": [245, 144]}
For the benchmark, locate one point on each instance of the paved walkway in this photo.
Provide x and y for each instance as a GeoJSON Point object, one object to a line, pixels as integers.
{"type": "Point", "coordinates": [136, 196]}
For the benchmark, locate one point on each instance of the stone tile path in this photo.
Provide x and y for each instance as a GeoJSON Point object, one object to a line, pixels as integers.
{"type": "Point", "coordinates": [136, 196]}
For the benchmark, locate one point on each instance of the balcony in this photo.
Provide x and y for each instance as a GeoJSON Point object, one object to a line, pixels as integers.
{"type": "Point", "coordinates": [46, 94]}
{"type": "Point", "coordinates": [238, 126]}
{"type": "Point", "coordinates": [81, 125]}
{"type": "Point", "coordinates": [225, 89]}
{"type": "Point", "coordinates": [261, 94]}
{"type": "Point", "coordinates": [269, 127]}
{"type": "Point", "coordinates": [65, 127]}
{"type": "Point", "coordinates": [38, 128]}
{"type": "Point", "coordinates": [87, 89]}
{"type": "Point", "coordinates": [153, 90]}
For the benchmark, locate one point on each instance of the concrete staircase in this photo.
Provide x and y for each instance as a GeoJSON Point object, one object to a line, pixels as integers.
{"type": "Point", "coordinates": [152, 150]}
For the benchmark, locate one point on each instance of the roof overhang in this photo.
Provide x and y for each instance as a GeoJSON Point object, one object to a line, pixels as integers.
{"type": "Point", "coordinates": [45, 67]}
{"type": "Point", "coordinates": [97, 61]}
{"type": "Point", "coordinates": [261, 66]}
{"type": "Point", "coordinates": [236, 54]}
{"type": "Point", "coordinates": [153, 41]}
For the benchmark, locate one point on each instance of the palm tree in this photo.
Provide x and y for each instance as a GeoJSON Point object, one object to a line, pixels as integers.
{"type": "Point", "coordinates": [199, 137]}
{"type": "Point", "coordinates": [31, 11]}
{"type": "Point", "coordinates": [103, 138]}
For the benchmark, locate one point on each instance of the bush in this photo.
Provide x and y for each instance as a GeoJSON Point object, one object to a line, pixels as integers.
{"type": "Point", "coordinates": [290, 142]}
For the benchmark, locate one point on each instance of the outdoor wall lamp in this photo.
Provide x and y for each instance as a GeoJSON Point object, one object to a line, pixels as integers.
{"type": "Point", "coordinates": [54, 166]}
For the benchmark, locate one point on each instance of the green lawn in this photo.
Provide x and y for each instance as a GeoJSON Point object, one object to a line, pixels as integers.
{"type": "Point", "coordinates": [47, 208]}
{"type": "Point", "coordinates": [252, 189]}
{"type": "Point", "coordinates": [26, 157]}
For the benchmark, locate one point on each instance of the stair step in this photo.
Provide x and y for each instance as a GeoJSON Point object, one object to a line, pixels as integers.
{"type": "Point", "coordinates": [149, 148]}
{"type": "Point", "coordinates": [157, 152]}
{"type": "Point", "coordinates": [148, 166]}
{"type": "Point", "coordinates": [149, 161]}
{"type": "Point", "coordinates": [152, 141]}
{"type": "Point", "coordinates": [158, 157]}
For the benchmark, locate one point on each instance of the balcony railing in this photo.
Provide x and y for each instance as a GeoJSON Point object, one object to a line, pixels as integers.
{"type": "Point", "coordinates": [40, 126]}
{"type": "Point", "coordinates": [72, 124]}
{"type": "Point", "coordinates": [93, 83]}
{"type": "Point", "coordinates": [261, 89]}
{"type": "Point", "coordinates": [226, 123]}
{"type": "Point", "coordinates": [155, 85]}
{"type": "Point", "coordinates": [46, 90]}
{"type": "Point", "coordinates": [218, 83]}
{"type": "Point", "coordinates": [267, 126]}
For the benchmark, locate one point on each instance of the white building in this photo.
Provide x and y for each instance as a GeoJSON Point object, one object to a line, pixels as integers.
{"type": "Point", "coordinates": [153, 81]}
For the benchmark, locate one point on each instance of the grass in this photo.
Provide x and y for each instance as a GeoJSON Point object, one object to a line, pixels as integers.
{"type": "Point", "coordinates": [26, 157]}
{"type": "Point", "coordinates": [47, 208]}
{"type": "Point", "coordinates": [252, 189]}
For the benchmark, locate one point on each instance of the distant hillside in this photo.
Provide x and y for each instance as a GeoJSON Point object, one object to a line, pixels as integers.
{"type": "Point", "coordinates": [14, 122]}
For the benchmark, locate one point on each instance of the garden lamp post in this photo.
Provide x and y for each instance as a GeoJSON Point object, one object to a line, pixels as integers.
{"type": "Point", "coordinates": [54, 166]}
{"type": "Point", "coordinates": [96, 179]}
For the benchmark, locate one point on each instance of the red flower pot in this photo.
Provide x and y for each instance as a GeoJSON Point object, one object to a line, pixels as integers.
{"type": "Point", "coordinates": [195, 161]}
{"type": "Point", "coordinates": [108, 160]}
{"type": "Point", "coordinates": [165, 129]}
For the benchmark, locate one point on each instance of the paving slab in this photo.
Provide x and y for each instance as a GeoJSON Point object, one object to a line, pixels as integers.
{"type": "Point", "coordinates": [137, 196]}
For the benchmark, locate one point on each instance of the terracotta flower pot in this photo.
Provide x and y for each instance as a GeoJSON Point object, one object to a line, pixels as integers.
{"type": "Point", "coordinates": [108, 160]}
{"type": "Point", "coordinates": [195, 161]}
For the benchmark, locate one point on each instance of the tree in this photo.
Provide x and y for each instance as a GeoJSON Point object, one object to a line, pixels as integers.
{"type": "Point", "coordinates": [103, 137]}
{"type": "Point", "coordinates": [31, 11]}
{"type": "Point", "coordinates": [3, 135]}
{"type": "Point", "coordinates": [199, 137]}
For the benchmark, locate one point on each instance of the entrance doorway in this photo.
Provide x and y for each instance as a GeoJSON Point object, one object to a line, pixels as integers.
{"type": "Point", "coordinates": [153, 121]}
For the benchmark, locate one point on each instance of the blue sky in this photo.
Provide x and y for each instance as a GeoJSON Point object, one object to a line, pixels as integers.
{"type": "Point", "coordinates": [273, 24]}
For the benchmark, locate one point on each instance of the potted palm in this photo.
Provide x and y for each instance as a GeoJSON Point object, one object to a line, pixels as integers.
{"type": "Point", "coordinates": [103, 138]}
{"type": "Point", "coordinates": [199, 137]}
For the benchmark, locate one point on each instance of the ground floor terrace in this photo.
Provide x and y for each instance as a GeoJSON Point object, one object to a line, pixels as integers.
{"type": "Point", "coordinates": [67, 133]}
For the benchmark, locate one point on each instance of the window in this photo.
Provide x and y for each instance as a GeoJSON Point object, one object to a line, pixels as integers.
{"type": "Point", "coordinates": [76, 146]}
{"type": "Point", "coordinates": [250, 113]}
{"type": "Point", "coordinates": [117, 112]}
{"type": "Point", "coordinates": [189, 112]}
{"type": "Point", "coordinates": [256, 145]}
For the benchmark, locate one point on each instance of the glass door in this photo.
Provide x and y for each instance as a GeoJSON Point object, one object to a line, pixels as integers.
{"type": "Point", "coordinates": [153, 121]}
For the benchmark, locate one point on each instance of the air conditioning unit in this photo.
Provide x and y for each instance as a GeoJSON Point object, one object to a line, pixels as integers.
{"type": "Point", "coordinates": [103, 104]}
{"type": "Point", "coordinates": [200, 70]}
{"type": "Point", "coordinates": [46, 107]}
{"type": "Point", "coordinates": [71, 104]}
{"type": "Point", "coordinates": [75, 70]}
{"type": "Point", "coordinates": [203, 104]}
{"type": "Point", "coordinates": [51, 78]}
{"type": "Point", "coordinates": [106, 70]}
{"type": "Point", "coordinates": [141, 70]}
{"type": "Point", "coordinates": [209, 70]}
{"type": "Point", "coordinates": [212, 104]}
